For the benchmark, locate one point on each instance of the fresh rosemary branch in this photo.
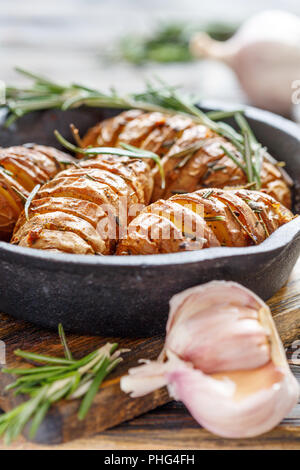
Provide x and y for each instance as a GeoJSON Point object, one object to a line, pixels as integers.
{"type": "Point", "coordinates": [46, 94]}
{"type": "Point", "coordinates": [58, 378]}
{"type": "Point", "coordinates": [169, 42]}
{"type": "Point", "coordinates": [125, 151]}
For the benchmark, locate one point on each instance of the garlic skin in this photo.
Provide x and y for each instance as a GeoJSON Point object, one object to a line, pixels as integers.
{"type": "Point", "coordinates": [146, 378]}
{"type": "Point", "coordinates": [264, 54]}
{"type": "Point", "coordinates": [224, 360]}
{"type": "Point", "coordinates": [230, 319]}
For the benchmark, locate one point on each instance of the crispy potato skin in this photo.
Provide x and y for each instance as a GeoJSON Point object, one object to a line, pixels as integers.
{"type": "Point", "coordinates": [80, 211]}
{"type": "Point", "coordinates": [21, 169]}
{"type": "Point", "coordinates": [225, 218]}
{"type": "Point", "coordinates": [167, 135]}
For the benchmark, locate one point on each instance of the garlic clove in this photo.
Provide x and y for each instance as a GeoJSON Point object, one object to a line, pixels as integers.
{"type": "Point", "coordinates": [236, 404]}
{"type": "Point", "coordinates": [217, 327]}
{"type": "Point", "coordinates": [226, 322]}
{"type": "Point", "coordinates": [183, 305]}
{"type": "Point", "coordinates": [238, 343]}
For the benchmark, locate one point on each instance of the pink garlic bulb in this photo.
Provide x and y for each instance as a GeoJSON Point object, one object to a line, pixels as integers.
{"type": "Point", "coordinates": [264, 54]}
{"type": "Point", "coordinates": [223, 359]}
{"type": "Point", "coordinates": [236, 405]}
{"type": "Point", "coordinates": [239, 340]}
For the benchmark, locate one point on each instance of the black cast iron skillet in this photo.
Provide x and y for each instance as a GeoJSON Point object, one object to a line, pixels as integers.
{"type": "Point", "coordinates": [128, 296]}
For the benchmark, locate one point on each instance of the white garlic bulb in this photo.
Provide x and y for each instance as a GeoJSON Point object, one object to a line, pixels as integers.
{"type": "Point", "coordinates": [264, 54]}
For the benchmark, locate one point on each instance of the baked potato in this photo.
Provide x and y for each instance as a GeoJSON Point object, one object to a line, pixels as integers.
{"type": "Point", "coordinates": [21, 169]}
{"type": "Point", "coordinates": [84, 208]}
{"type": "Point", "coordinates": [167, 135]}
{"type": "Point", "coordinates": [203, 219]}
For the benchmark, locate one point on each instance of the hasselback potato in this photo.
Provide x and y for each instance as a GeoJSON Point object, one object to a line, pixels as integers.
{"type": "Point", "coordinates": [81, 210]}
{"type": "Point", "coordinates": [203, 219]}
{"type": "Point", "coordinates": [167, 135]}
{"type": "Point", "coordinates": [21, 169]}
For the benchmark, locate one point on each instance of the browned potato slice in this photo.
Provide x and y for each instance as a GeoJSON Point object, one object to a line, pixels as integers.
{"type": "Point", "coordinates": [134, 172]}
{"type": "Point", "coordinates": [51, 240]}
{"type": "Point", "coordinates": [229, 218]}
{"type": "Point", "coordinates": [21, 169]}
{"type": "Point", "coordinates": [106, 132]}
{"type": "Point", "coordinates": [167, 135]}
{"type": "Point", "coordinates": [227, 230]}
{"type": "Point", "coordinates": [85, 205]}
{"type": "Point", "coordinates": [167, 227]}
{"type": "Point", "coordinates": [269, 212]}
{"type": "Point", "coordinates": [243, 214]}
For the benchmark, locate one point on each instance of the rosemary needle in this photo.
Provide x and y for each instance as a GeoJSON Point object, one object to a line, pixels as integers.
{"type": "Point", "coordinates": [4, 170]}
{"type": "Point", "coordinates": [62, 336]}
{"type": "Point", "coordinates": [30, 199]}
{"type": "Point", "coordinates": [215, 218]}
{"type": "Point", "coordinates": [90, 177]}
{"type": "Point", "coordinates": [189, 150]}
{"type": "Point", "coordinates": [21, 196]}
{"type": "Point", "coordinates": [207, 194]}
{"type": "Point", "coordinates": [242, 225]}
{"type": "Point", "coordinates": [148, 154]}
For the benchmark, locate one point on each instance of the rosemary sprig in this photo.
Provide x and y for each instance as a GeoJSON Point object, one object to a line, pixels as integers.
{"type": "Point", "coordinates": [125, 151]}
{"type": "Point", "coordinates": [46, 94]}
{"type": "Point", "coordinates": [253, 152]}
{"type": "Point", "coordinates": [168, 42]}
{"type": "Point", "coordinates": [58, 378]}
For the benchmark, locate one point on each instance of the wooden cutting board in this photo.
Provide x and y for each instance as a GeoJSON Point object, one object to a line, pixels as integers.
{"type": "Point", "coordinates": [167, 427]}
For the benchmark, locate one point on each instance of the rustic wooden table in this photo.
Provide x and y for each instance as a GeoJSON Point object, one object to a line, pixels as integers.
{"type": "Point", "coordinates": [170, 426]}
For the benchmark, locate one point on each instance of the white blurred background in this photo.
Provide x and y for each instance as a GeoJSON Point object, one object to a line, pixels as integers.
{"type": "Point", "coordinates": [67, 40]}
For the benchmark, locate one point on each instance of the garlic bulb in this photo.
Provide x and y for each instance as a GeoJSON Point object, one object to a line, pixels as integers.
{"type": "Point", "coordinates": [264, 54]}
{"type": "Point", "coordinates": [223, 359]}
